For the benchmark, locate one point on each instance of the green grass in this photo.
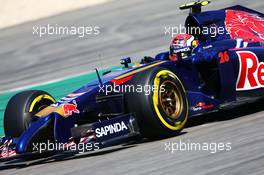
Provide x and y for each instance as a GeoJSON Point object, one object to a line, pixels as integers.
{"type": "Point", "coordinates": [56, 89]}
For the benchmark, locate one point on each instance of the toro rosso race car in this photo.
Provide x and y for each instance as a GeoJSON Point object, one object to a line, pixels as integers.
{"type": "Point", "coordinates": [201, 73]}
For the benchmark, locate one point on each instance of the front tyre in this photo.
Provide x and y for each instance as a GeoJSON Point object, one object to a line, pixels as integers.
{"type": "Point", "coordinates": [163, 111]}
{"type": "Point", "coordinates": [21, 108]}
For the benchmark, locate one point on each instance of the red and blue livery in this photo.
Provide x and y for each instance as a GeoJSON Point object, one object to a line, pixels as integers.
{"type": "Point", "coordinates": [152, 99]}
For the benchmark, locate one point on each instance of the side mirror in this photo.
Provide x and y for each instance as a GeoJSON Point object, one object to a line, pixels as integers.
{"type": "Point", "coordinates": [125, 61]}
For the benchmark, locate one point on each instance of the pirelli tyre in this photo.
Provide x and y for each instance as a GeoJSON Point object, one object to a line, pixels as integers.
{"type": "Point", "coordinates": [21, 108]}
{"type": "Point", "coordinates": [161, 107]}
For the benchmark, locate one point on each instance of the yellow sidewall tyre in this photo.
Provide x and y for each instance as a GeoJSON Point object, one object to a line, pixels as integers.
{"type": "Point", "coordinates": [164, 112]}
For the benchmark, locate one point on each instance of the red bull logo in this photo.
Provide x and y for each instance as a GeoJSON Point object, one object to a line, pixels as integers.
{"type": "Point", "coordinates": [70, 108]}
{"type": "Point", "coordinates": [251, 71]}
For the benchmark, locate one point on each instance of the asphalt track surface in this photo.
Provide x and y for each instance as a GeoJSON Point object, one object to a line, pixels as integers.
{"type": "Point", "coordinates": [133, 28]}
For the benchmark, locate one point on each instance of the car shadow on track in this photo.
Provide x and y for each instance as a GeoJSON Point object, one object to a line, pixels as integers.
{"type": "Point", "coordinates": [227, 114]}
{"type": "Point", "coordinates": [223, 115]}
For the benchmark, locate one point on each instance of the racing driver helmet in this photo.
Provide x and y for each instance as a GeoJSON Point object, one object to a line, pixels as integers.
{"type": "Point", "coordinates": [181, 46]}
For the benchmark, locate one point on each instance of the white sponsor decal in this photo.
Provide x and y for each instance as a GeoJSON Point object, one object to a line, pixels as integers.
{"type": "Point", "coordinates": [251, 71]}
{"type": "Point", "coordinates": [110, 129]}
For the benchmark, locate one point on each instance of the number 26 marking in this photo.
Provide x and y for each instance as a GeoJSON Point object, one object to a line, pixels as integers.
{"type": "Point", "coordinates": [224, 57]}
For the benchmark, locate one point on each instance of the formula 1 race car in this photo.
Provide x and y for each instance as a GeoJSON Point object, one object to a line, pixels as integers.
{"type": "Point", "coordinates": [153, 99]}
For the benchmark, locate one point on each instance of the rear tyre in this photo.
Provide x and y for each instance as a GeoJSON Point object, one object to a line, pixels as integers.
{"type": "Point", "coordinates": [21, 108]}
{"type": "Point", "coordinates": [163, 111]}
